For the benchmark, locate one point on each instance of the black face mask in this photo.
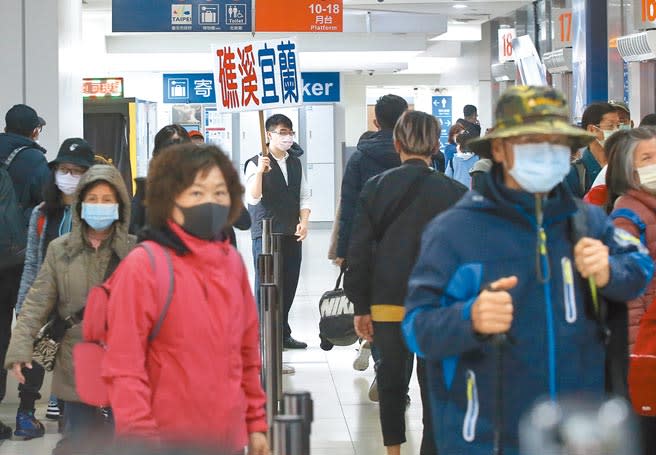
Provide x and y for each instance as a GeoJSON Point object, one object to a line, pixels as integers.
{"type": "Point", "coordinates": [205, 221]}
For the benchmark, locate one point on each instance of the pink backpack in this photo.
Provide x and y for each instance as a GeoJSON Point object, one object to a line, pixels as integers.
{"type": "Point", "coordinates": [88, 356]}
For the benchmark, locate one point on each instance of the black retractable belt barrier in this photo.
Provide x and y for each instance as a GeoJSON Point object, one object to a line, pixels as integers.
{"type": "Point", "coordinates": [300, 404]}
{"type": "Point", "coordinates": [287, 435]}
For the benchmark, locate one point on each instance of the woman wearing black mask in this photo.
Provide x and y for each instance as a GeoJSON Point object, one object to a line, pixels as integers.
{"type": "Point", "coordinates": [205, 360]}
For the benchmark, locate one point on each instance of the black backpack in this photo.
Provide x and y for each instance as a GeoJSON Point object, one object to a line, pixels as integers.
{"type": "Point", "coordinates": [13, 232]}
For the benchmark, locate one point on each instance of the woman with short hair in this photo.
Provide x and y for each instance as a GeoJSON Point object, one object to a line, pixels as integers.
{"type": "Point", "coordinates": [631, 183]}
{"type": "Point", "coordinates": [390, 216]}
{"type": "Point", "coordinates": [198, 382]}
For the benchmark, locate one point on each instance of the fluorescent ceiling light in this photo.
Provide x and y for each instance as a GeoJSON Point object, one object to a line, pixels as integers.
{"type": "Point", "coordinates": [430, 65]}
{"type": "Point", "coordinates": [460, 6]}
{"type": "Point", "coordinates": [460, 32]}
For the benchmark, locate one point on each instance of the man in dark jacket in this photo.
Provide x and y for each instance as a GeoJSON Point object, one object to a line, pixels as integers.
{"type": "Point", "coordinates": [470, 122]}
{"type": "Point", "coordinates": [524, 264]}
{"type": "Point", "coordinates": [600, 120]}
{"type": "Point", "coordinates": [392, 211]}
{"type": "Point", "coordinates": [29, 172]}
{"type": "Point", "coordinates": [374, 155]}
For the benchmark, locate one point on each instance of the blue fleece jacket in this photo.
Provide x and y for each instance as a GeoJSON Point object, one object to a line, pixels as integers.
{"type": "Point", "coordinates": [557, 349]}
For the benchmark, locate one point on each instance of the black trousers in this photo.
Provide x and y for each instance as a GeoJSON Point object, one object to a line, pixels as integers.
{"type": "Point", "coordinates": [292, 252]}
{"type": "Point", "coordinates": [9, 284]}
{"type": "Point", "coordinates": [393, 381]}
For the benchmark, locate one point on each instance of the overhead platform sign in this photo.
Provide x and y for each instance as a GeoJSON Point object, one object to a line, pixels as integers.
{"type": "Point", "coordinates": [257, 75]}
{"type": "Point", "coordinates": [182, 15]}
{"type": "Point", "coordinates": [299, 16]}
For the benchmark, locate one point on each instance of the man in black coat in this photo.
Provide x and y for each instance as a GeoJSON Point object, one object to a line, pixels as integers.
{"type": "Point", "coordinates": [375, 154]}
{"type": "Point", "coordinates": [29, 172]}
{"type": "Point", "coordinates": [470, 122]}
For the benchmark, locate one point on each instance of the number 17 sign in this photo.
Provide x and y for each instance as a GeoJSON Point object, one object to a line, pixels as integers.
{"type": "Point", "coordinates": [257, 75]}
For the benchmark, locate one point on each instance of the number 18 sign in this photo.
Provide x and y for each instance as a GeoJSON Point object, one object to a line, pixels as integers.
{"type": "Point", "coordinates": [506, 37]}
{"type": "Point", "coordinates": [257, 75]}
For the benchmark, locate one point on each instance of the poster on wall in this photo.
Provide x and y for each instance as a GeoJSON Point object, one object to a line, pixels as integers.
{"type": "Point", "coordinates": [186, 113]}
{"type": "Point", "coordinates": [257, 75]}
{"type": "Point", "coordinates": [217, 129]}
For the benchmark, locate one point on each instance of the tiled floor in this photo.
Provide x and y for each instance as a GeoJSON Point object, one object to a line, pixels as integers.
{"type": "Point", "coordinates": [346, 422]}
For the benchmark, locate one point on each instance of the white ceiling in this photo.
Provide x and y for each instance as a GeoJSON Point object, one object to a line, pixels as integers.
{"type": "Point", "coordinates": [409, 52]}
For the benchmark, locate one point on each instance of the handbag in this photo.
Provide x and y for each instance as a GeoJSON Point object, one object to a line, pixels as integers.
{"type": "Point", "coordinates": [46, 347]}
{"type": "Point", "coordinates": [89, 355]}
{"type": "Point", "coordinates": [642, 366]}
{"type": "Point", "coordinates": [49, 337]}
{"type": "Point", "coordinates": [336, 321]}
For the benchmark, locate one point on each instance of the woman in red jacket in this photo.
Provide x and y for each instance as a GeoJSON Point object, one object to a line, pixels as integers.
{"type": "Point", "coordinates": [631, 182]}
{"type": "Point", "coordinates": [197, 384]}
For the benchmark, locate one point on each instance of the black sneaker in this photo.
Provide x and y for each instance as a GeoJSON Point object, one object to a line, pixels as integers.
{"type": "Point", "coordinates": [290, 343]}
{"type": "Point", "coordinates": [5, 431]}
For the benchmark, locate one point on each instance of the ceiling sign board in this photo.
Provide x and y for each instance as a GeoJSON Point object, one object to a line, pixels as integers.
{"type": "Point", "coordinates": [101, 87]}
{"type": "Point", "coordinates": [506, 37]}
{"type": "Point", "coordinates": [644, 14]}
{"type": "Point", "coordinates": [182, 15]}
{"type": "Point", "coordinates": [303, 16]}
{"type": "Point", "coordinates": [562, 28]}
{"type": "Point", "coordinates": [257, 75]}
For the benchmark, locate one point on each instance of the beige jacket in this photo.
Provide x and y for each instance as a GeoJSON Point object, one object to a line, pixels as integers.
{"type": "Point", "coordinates": [71, 268]}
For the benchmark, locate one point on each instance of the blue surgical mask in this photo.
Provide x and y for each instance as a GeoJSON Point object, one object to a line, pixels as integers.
{"type": "Point", "coordinates": [624, 127]}
{"type": "Point", "coordinates": [99, 216]}
{"type": "Point", "coordinates": [540, 167]}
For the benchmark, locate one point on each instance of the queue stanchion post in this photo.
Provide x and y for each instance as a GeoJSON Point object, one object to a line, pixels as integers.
{"type": "Point", "coordinates": [300, 404]}
{"type": "Point", "coordinates": [276, 250]}
{"type": "Point", "coordinates": [288, 432]}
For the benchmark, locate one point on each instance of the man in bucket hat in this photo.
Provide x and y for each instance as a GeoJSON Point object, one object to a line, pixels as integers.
{"type": "Point", "coordinates": [510, 306]}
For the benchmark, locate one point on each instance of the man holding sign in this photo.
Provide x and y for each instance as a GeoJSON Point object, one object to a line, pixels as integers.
{"type": "Point", "coordinates": [276, 188]}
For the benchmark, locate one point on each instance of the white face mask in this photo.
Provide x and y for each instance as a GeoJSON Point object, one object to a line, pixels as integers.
{"type": "Point", "coordinates": [647, 176]}
{"type": "Point", "coordinates": [67, 183]}
{"type": "Point", "coordinates": [283, 143]}
{"type": "Point", "coordinates": [540, 167]}
{"type": "Point", "coordinates": [606, 134]}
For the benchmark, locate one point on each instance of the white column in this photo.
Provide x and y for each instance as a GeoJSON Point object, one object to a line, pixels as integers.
{"type": "Point", "coordinates": [39, 43]}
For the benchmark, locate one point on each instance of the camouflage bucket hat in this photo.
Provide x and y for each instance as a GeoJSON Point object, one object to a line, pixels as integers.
{"type": "Point", "coordinates": [523, 110]}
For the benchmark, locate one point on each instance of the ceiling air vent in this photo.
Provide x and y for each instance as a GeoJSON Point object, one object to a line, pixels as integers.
{"type": "Point", "coordinates": [505, 71]}
{"type": "Point", "coordinates": [638, 47]}
{"type": "Point", "coordinates": [559, 61]}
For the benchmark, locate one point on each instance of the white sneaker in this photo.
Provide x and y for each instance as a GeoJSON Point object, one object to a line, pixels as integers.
{"type": "Point", "coordinates": [373, 391]}
{"type": "Point", "coordinates": [288, 369]}
{"type": "Point", "coordinates": [361, 362]}
{"type": "Point", "coordinates": [52, 413]}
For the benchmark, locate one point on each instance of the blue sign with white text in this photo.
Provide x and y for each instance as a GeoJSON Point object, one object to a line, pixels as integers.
{"type": "Point", "coordinates": [443, 110]}
{"type": "Point", "coordinates": [321, 87]}
{"type": "Point", "coordinates": [198, 88]}
{"type": "Point", "coordinates": [182, 15]}
{"type": "Point", "coordinates": [189, 88]}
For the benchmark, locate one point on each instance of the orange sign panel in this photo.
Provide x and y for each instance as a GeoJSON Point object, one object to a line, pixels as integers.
{"type": "Point", "coordinates": [299, 16]}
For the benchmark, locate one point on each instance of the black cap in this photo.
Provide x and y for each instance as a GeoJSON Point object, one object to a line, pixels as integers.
{"type": "Point", "coordinates": [22, 118]}
{"type": "Point", "coordinates": [76, 151]}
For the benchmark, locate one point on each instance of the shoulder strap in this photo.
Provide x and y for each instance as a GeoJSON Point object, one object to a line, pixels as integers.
{"type": "Point", "coordinates": [406, 200]}
{"type": "Point", "coordinates": [633, 218]}
{"type": "Point", "coordinates": [159, 254]}
{"type": "Point", "coordinates": [13, 155]}
{"type": "Point", "coordinates": [581, 172]}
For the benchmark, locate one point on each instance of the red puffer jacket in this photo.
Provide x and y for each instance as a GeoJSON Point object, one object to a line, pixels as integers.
{"type": "Point", "coordinates": [642, 204]}
{"type": "Point", "coordinates": [198, 381]}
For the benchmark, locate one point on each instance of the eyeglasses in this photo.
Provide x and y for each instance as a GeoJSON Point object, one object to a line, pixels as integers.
{"type": "Point", "coordinates": [611, 127]}
{"type": "Point", "coordinates": [285, 133]}
{"type": "Point", "coordinates": [72, 171]}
